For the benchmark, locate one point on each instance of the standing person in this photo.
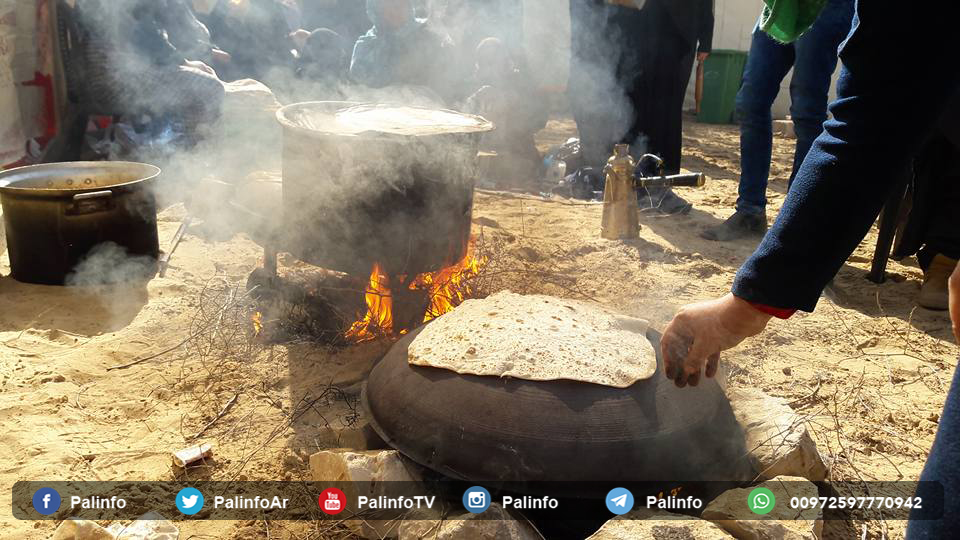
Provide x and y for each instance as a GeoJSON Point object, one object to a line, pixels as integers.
{"type": "Point", "coordinates": [836, 196]}
{"type": "Point", "coordinates": [630, 65]}
{"type": "Point", "coordinates": [813, 58]}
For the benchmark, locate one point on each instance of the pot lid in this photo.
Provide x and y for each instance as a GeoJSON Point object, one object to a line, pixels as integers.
{"type": "Point", "coordinates": [70, 178]}
{"type": "Point", "coordinates": [351, 119]}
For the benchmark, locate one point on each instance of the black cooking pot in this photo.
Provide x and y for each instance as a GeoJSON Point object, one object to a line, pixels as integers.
{"type": "Point", "coordinates": [400, 195]}
{"type": "Point", "coordinates": [57, 214]}
{"type": "Point", "coordinates": [490, 429]}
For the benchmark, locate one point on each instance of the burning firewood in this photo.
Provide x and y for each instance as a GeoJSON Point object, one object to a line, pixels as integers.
{"type": "Point", "coordinates": [398, 305]}
{"type": "Point", "coordinates": [305, 301]}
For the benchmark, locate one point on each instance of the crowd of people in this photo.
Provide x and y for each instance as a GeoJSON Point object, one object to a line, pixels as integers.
{"type": "Point", "coordinates": [630, 65]}
{"type": "Point", "coordinates": [169, 58]}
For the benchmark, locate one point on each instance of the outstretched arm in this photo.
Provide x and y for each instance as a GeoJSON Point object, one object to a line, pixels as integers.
{"type": "Point", "coordinates": [879, 123]}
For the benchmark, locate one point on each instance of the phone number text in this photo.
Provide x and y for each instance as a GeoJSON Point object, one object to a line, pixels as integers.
{"type": "Point", "coordinates": [856, 502]}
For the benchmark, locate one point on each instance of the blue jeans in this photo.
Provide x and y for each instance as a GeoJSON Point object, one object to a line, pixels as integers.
{"type": "Point", "coordinates": [813, 58]}
{"type": "Point", "coordinates": [943, 465]}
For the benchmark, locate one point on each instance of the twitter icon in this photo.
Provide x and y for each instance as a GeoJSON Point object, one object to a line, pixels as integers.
{"type": "Point", "coordinates": [189, 501]}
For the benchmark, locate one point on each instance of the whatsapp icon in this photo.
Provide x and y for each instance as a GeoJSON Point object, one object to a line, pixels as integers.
{"type": "Point", "coordinates": [761, 501]}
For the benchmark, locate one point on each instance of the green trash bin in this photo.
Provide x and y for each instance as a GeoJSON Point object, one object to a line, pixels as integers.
{"type": "Point", "coordinates": [722, 73]}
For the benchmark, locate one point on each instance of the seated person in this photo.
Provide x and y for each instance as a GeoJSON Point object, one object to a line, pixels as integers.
{"type": "Point", "coordinates": [322, 68]}
{"type": "Point", "coordinates": [324, 57]}
{"type": "Point", "coordinates": [509, 99]}
{"type": "Point", "coordinates": [468, 22]}
{"type": "Point", "coordinates": [348, 18]}
{"type": "Point", "coordinates": [401, 50]}
{"type": "Point", "coordinates": [148, 58]}
{"type": "Point", "coordinates": [256, 34]}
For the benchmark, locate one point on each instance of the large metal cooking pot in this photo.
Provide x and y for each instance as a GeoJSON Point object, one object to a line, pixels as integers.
{"type": "Point", "coordinates": [56, 213]}
{"type": "Point", "coordinates": [490, 429]}
{"type": "Point", "coordinates": [400, 194]}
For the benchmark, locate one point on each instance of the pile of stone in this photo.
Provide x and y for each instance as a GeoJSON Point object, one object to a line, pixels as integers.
{"type": "Point", "coordinates": [150, 526]}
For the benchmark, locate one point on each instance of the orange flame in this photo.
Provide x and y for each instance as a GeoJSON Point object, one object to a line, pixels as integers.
{"type": "Point", "coordinates": [449, 287]}
{"type": "Point", "coordinates": [257, 319]}
{"type": "Point", "coordinates": [446, 289]}
{"type": "Point", "coordinates": [379, 317]}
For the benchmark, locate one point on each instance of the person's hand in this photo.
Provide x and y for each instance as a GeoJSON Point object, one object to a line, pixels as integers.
{"type": "Point", "coordinates": [702, 56]}
{"type": "Point", "coordinates": [200, 66]}
{"type": "Point", "coordinates": [955, 302]}
{"type": "Point", "coordinates": [699, 332]}
{"type": "Point", "coordinates": [220, 57]}
{"type": "Point", "coordinates": [300, 37]}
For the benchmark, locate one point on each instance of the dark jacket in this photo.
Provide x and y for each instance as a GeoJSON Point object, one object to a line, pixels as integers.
{"type": "Point", "coordinates": [694, 20]}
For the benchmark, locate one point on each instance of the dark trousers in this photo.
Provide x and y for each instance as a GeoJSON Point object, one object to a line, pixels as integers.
{"type": "Point", "coordinates": [628, 75]}
{"type": "Point", "coordinates": [658, 92]}
{"type": "Point", "coordinates": [943, 465]}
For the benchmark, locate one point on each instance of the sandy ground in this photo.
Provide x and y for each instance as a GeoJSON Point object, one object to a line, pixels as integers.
{"type": "Point", "coordinates": [868, 369]}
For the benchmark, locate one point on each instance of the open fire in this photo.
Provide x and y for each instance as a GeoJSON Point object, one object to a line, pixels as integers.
{"type": "Point", "coordinates": [444, 289]}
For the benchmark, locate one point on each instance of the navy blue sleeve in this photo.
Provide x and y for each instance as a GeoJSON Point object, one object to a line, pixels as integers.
{"type": "Point", "coordinates": [898, 75]}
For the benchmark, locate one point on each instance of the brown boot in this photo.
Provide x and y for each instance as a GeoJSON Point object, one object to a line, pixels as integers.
{"type": "Point", "coordinates": [934, 293]}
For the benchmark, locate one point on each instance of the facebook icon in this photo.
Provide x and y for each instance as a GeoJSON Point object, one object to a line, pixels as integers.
{"type": "Point", "coordinates": [46, 501]}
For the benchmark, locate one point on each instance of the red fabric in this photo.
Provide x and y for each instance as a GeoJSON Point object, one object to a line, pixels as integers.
{"type": "Point", "coordinates": [780, 313]}
{"type": "Point", "coordinates": [49, 118]}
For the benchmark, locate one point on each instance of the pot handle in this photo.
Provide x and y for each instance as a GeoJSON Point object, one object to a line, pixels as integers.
{"type": "Point", "coordinates": [92, 202]}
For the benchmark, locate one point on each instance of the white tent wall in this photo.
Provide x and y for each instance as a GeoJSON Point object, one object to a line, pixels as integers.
{"type": "Point", "coordinates": [25, 42]}
{"type": "Point", "coordinates": [11, 128]}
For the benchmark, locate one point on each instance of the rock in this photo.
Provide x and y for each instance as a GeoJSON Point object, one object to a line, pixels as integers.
{"type": "Point", "coordinates": [652, 525]}
{"type": "Point", "coordinates": [784, 128]}
{"type": "Point", "coordinates": [365, 466]}
{"type": "Point", "coordinates": [81, 529]}
{"type": "Point", "coordinates": [527, 253]}
{"type": "Point", "coordinates": [497, 523]}
{"type": "Point", "coordinates": [368, 471]}
{"type": "Point", "coordinates": [355, 438]}
{"type": "Point", "coordinates": [783, 523]}
{"type": "Point", "coordinates": [486, 222]}
{"type": "Point", "coordinates": [150, 526]}
{"type": "Point", "coordinates": [776, 437]}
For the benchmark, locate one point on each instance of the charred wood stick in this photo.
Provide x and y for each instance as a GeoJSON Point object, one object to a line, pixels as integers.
{"type": "Point", "coordinates": [165, 258]}
{"type": "Point", "coordinates": [223, 412]}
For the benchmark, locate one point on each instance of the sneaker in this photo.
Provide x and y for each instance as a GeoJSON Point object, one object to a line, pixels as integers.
{"type": "Point", "coordinates": [739, 225]}
{"type": "Point", "coordinates": [934, 294]}
{"type": "Point", "coordinates": [664, 201]}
